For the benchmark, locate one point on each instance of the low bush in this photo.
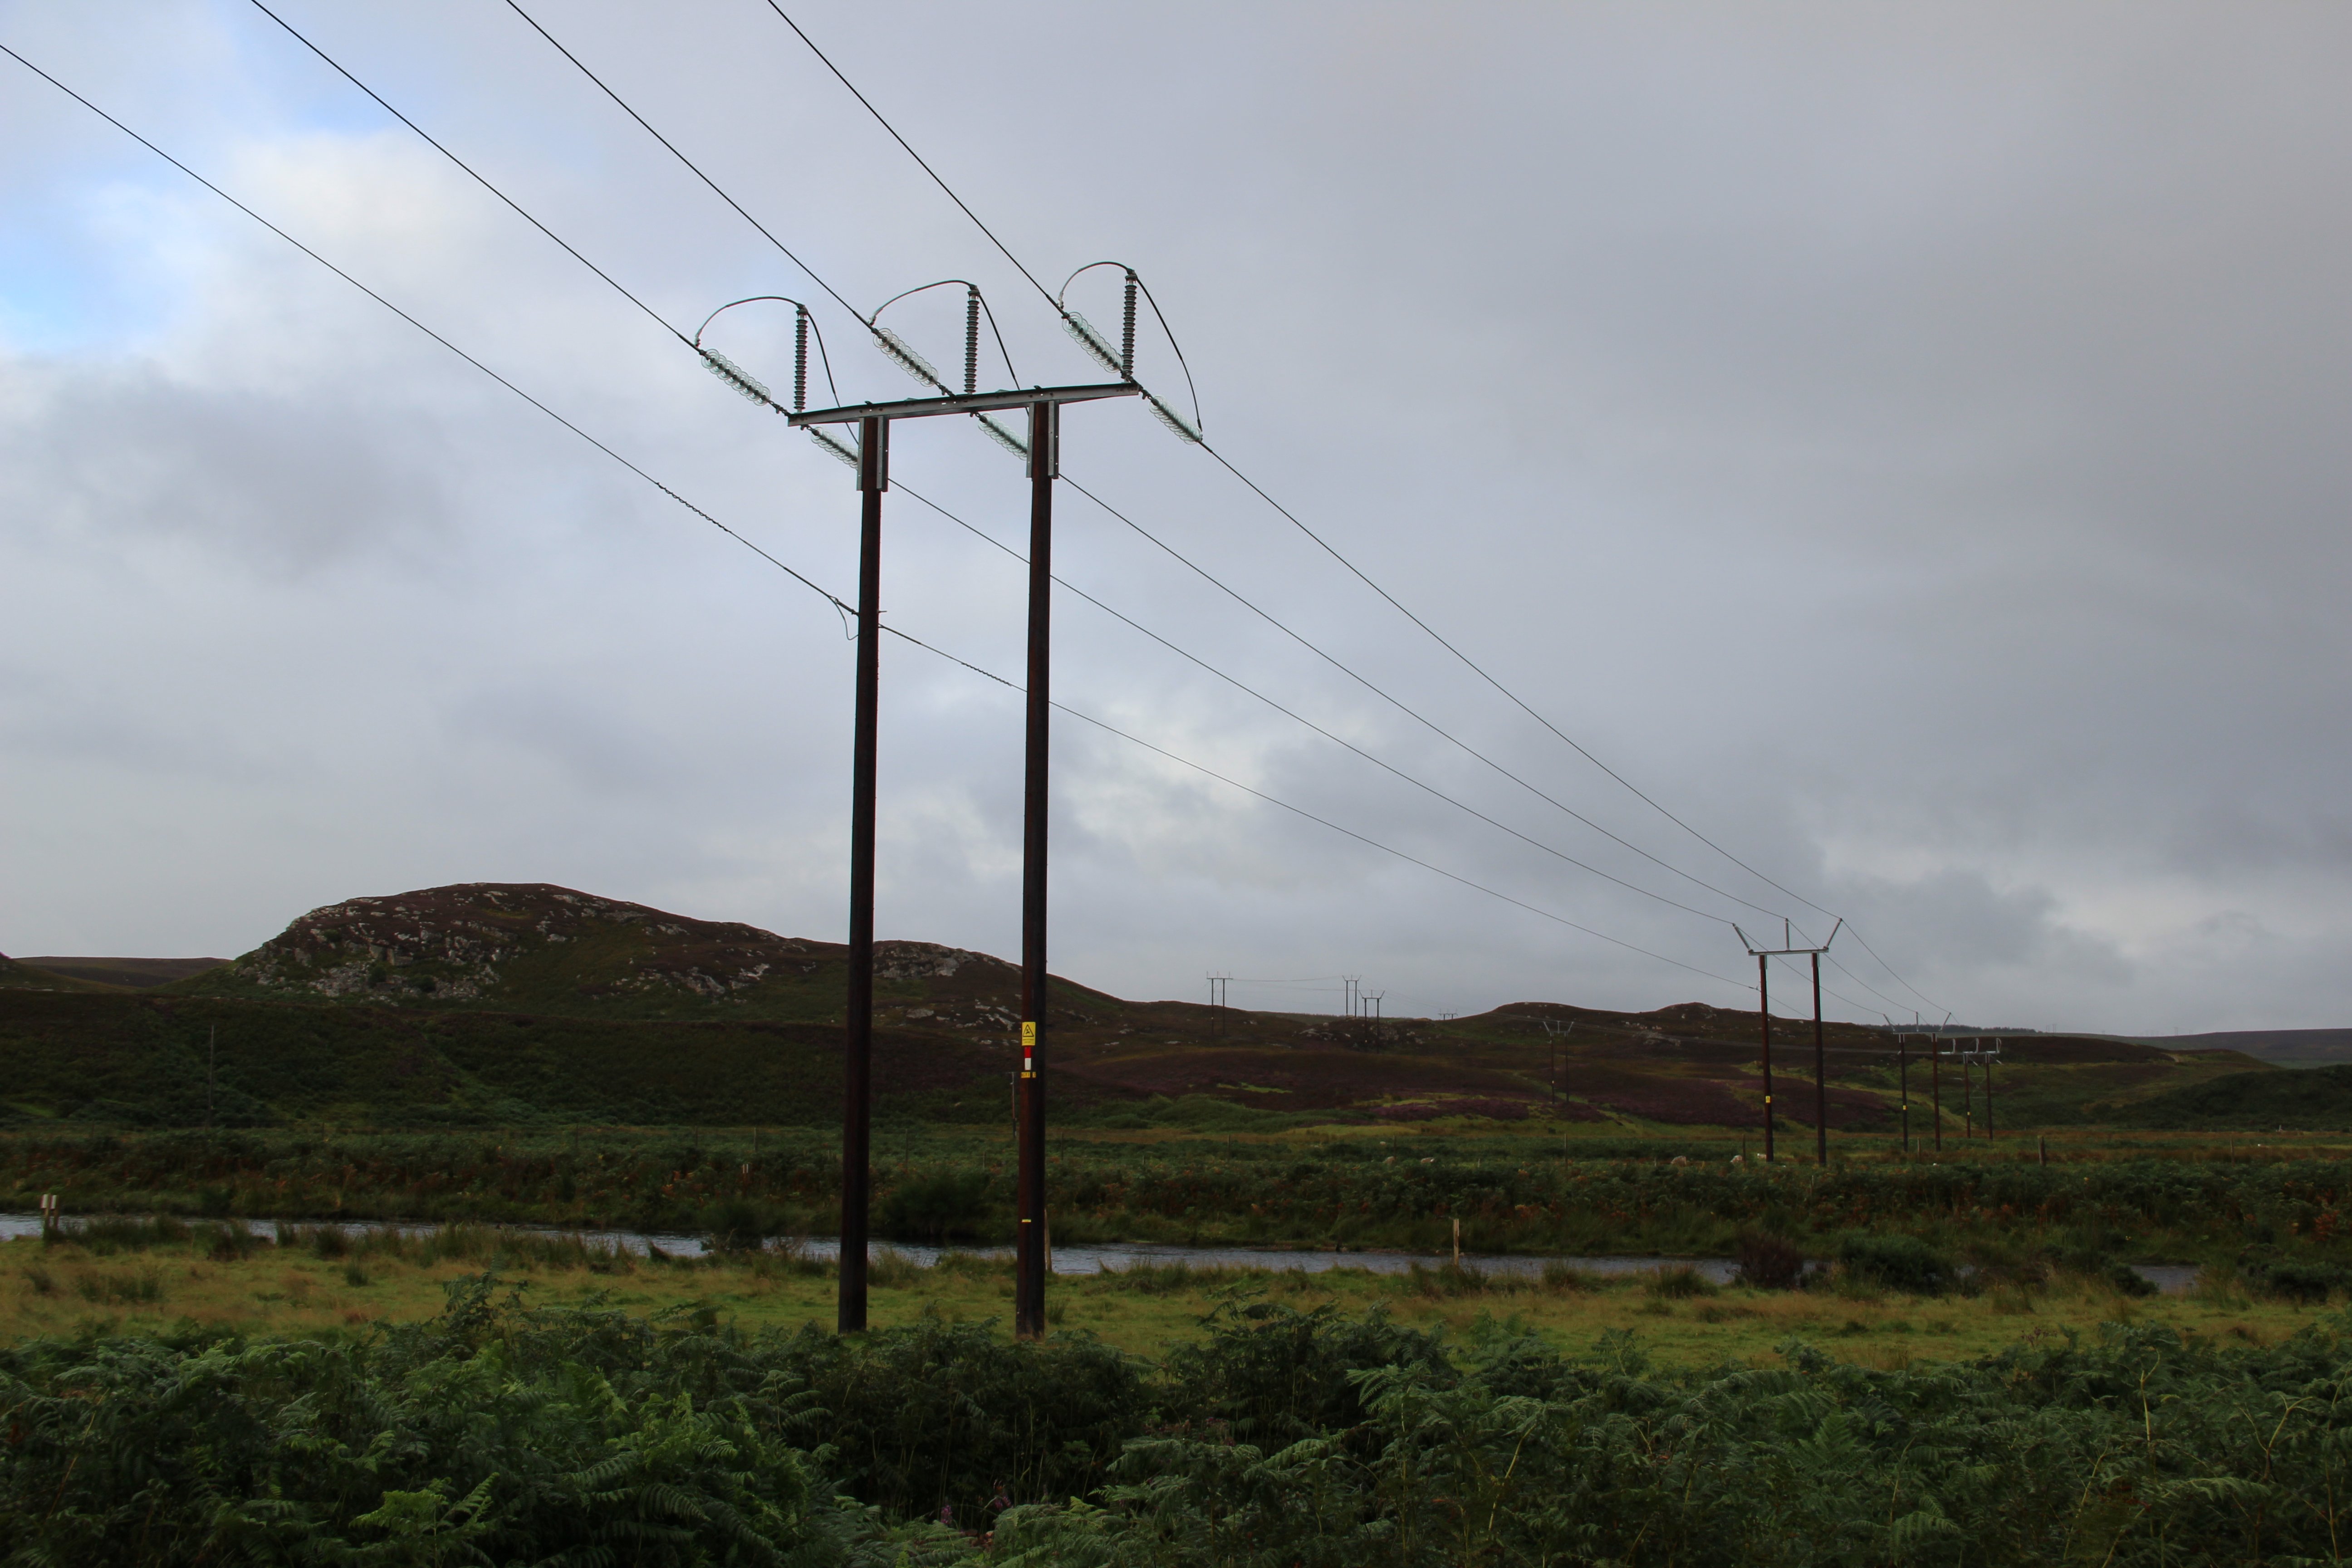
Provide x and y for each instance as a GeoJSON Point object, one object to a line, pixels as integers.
{"type": "Point", "coordinates": [736, 1225]}
{"type": "Point", "coordinates": [1767, 1261]}
{"type": "Point", "coordinates": [1680, 1282]}
{"type": "Point", "coordinates": [1897, 1262]}
{"type": "Point", "coordinates": [2295, 1279]}
{"type": "Point", "coordinates": [946, 1206]}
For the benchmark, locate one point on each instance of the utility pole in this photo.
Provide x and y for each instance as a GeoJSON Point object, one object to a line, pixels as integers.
{"type": "Point", "coordinates": [1936, 1081]}
{"type": "Point", "coordinates": [1220, 991]}
{"type": "Point", "coordinates": [1375, 1000]}
{"type": "Point", "coordinates": [1031, 1246]}
{"type": "Point", "coordinates": [1764, 1014]}
{"type": "Point", "coordinates": [1556, 1060]}
{"type": "Point", "coordinates": [1764, 957]}
{"type": "Point", "coordinates": [1821, 1076]}
{"type": "Point", "coordinates": [858, 1055]}
{"type": "Point", "coordinates": [1967, 1096]}
{"type": "Point", "coordinates": [1990, 1060]}
{"type": "Point", "coordinates": [211, 1058]}
{"type": "Point", "coordinates": [873, 421]}
{"type": "Point", "coordinates": [1903, 1079]}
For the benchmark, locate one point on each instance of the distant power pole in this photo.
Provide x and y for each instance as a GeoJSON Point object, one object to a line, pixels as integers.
{"type": "Point", "coordinates": [1556, 1059]}
{"type": "Point", "coordinates": [1936, 1087]}
{"type": "Point", "coordinates": [1903, 1080]}
{"type": "Point", "coordinates": [1375, 1000]}
{"type": "Point", "coordinates": [1219, 994]}
{"type": "Point", "coordinates": [1988, 1054]}
{"type": "Point", "coordinates": [1763, 957]}
{"type": "Point", "coordinates": [1990, 1060]}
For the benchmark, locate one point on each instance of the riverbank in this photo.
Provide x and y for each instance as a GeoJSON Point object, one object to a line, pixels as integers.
{"type": "Point", "coordinates": [339, 1280]}
{"type": "Point", "coordinates": [2141, 1199]}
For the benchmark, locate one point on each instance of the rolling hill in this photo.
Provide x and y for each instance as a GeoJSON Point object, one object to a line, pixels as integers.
{"type": "Point", "coordinates": [487, 1004]}
{"type": "Point", "coordinates": [131, 973]}
{"type": "Point", "coordinates": [2283, 1047]}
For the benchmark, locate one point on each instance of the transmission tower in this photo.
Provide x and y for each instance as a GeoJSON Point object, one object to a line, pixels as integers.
{"type": "Point", "coordinates": [1764, 957]}
{"type": "Point", "coordinates": [871, 457]}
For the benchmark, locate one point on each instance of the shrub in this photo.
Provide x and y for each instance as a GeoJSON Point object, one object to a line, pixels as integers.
{"type": "Point", "coordinates": [943, 1205]}
{"type": "Point", "coordinates": [1678, 1283]}
{"type": "Point", "coordinates": [736, 1225]}
{"type": "Point", "coordinates": [2299, 1281]}
{"type": "Point", "coordinates": [1902, 1263]}
{"type": "Point", "coordinates": [943, 1414]}
{"type": "Point", "coordinates": [1567, 1279]}
{"type": "Point", "coordinates": [227, 1243]}
{"type": "Point", "coordinates": [1768, 1262]}
{"type": "Point", "coordinates": [1272, 1374]}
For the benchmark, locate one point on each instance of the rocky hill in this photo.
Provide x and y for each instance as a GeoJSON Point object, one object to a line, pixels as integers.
{"type": "Point", "coordinates": [532, 947]}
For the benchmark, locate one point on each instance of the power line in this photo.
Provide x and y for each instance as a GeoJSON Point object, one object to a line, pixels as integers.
{"type": "Point", "coordinates": [1325, 544]}
{"type": "Point", "coordinates": [681, 157]}
{"type": "Point", "coordinates": [1242, 685]}
{"type": "Point", "coordinates": [1418, 717]}
{"type": "Point", "coordinates": [741, 210]}
{"type": "Point", "coordinates": [1326, 822]}
{"type": "Point", "coordinates": [828, 597]}
{"type": "Point", "coordinates": [918, 157]}
{"type": "Point", "coordinates": [420, 326]}
{"type": "Point", "coordinates": [626, 294]}
{"type": "Point", "coordinates": [469, 168]}
{"type": "Point", "coordinates": [1401, 706]}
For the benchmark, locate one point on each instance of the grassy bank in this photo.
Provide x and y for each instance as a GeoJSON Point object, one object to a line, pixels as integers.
{"type": "Point", "coordinates": [133, 1279]}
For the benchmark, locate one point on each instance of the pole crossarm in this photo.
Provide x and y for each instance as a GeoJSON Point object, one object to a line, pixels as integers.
{"type": "Point", "coordinates": [963, 403]}
{"type": "Point", "coordinates": [1756, 952]}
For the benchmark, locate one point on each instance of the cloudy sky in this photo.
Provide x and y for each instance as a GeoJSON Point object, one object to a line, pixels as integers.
{"type": "Point", "coordinates": [1905, 443]}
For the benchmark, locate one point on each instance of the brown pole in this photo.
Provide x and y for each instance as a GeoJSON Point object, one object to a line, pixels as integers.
{"type": "Point", "coordinates": [1988, 1061]}
{"type": "Point", "coordinates": [1764, 1011]}
{"type": "Point", "coordinates": [1030, 1252]}
{"type": "Point", "coordinates": [1903, 1068]}
{"type": "Point", "coordinates": [1967, 1096]}
{"type": "Point", "coordinates": [1821, 1076]}
{"type": "Point", "coordinates": [858, 1055]}
{"type": "Point", "coordinates": [1936, 1087]}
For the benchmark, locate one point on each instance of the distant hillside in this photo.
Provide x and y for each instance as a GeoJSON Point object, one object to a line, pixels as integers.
{"type": "Point", "coordinates": [2288, 1047]}
{"type": "Point", "coordinates": [2318, 1098]}
{"type": "Point", "coordinates": [512, 1003]}
{"type": "Point", "coordinates": [535, 948]}
{"type": "Point", "coordinates": [134, 973]}
{"type": "Point", "coordinates": [18, 975]}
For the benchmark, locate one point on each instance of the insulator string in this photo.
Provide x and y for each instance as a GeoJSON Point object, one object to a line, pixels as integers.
{"type": "Point", "coordinates": [800, 357]}
{"type": "Point", "coordinates": [971, 342]}
{"type": "Point", "coordinates": [1127, 332]}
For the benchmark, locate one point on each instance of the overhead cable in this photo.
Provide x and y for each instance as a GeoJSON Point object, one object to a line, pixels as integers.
{"type": "Point", "coordinates": [831, 599]}
{"type": "Point", "coordinates": [924, 371]}
{"type": "Point", "coordinates": [1325, 544]}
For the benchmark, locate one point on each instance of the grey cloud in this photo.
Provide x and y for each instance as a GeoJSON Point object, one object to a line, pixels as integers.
{"type": "Point", "coordinates": [1907, 443]}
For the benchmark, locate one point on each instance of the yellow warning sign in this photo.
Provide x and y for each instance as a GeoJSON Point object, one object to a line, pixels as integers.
{"type": "Point", "coordinates": [1028, 1032]}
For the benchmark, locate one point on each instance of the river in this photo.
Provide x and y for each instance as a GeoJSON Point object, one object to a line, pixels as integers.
{"type": "Point", "coordinates": [1112, 1257]}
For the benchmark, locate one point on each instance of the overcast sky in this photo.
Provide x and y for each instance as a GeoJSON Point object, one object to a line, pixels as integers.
{"type": "Point", "coordinates": [1907, 444]}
